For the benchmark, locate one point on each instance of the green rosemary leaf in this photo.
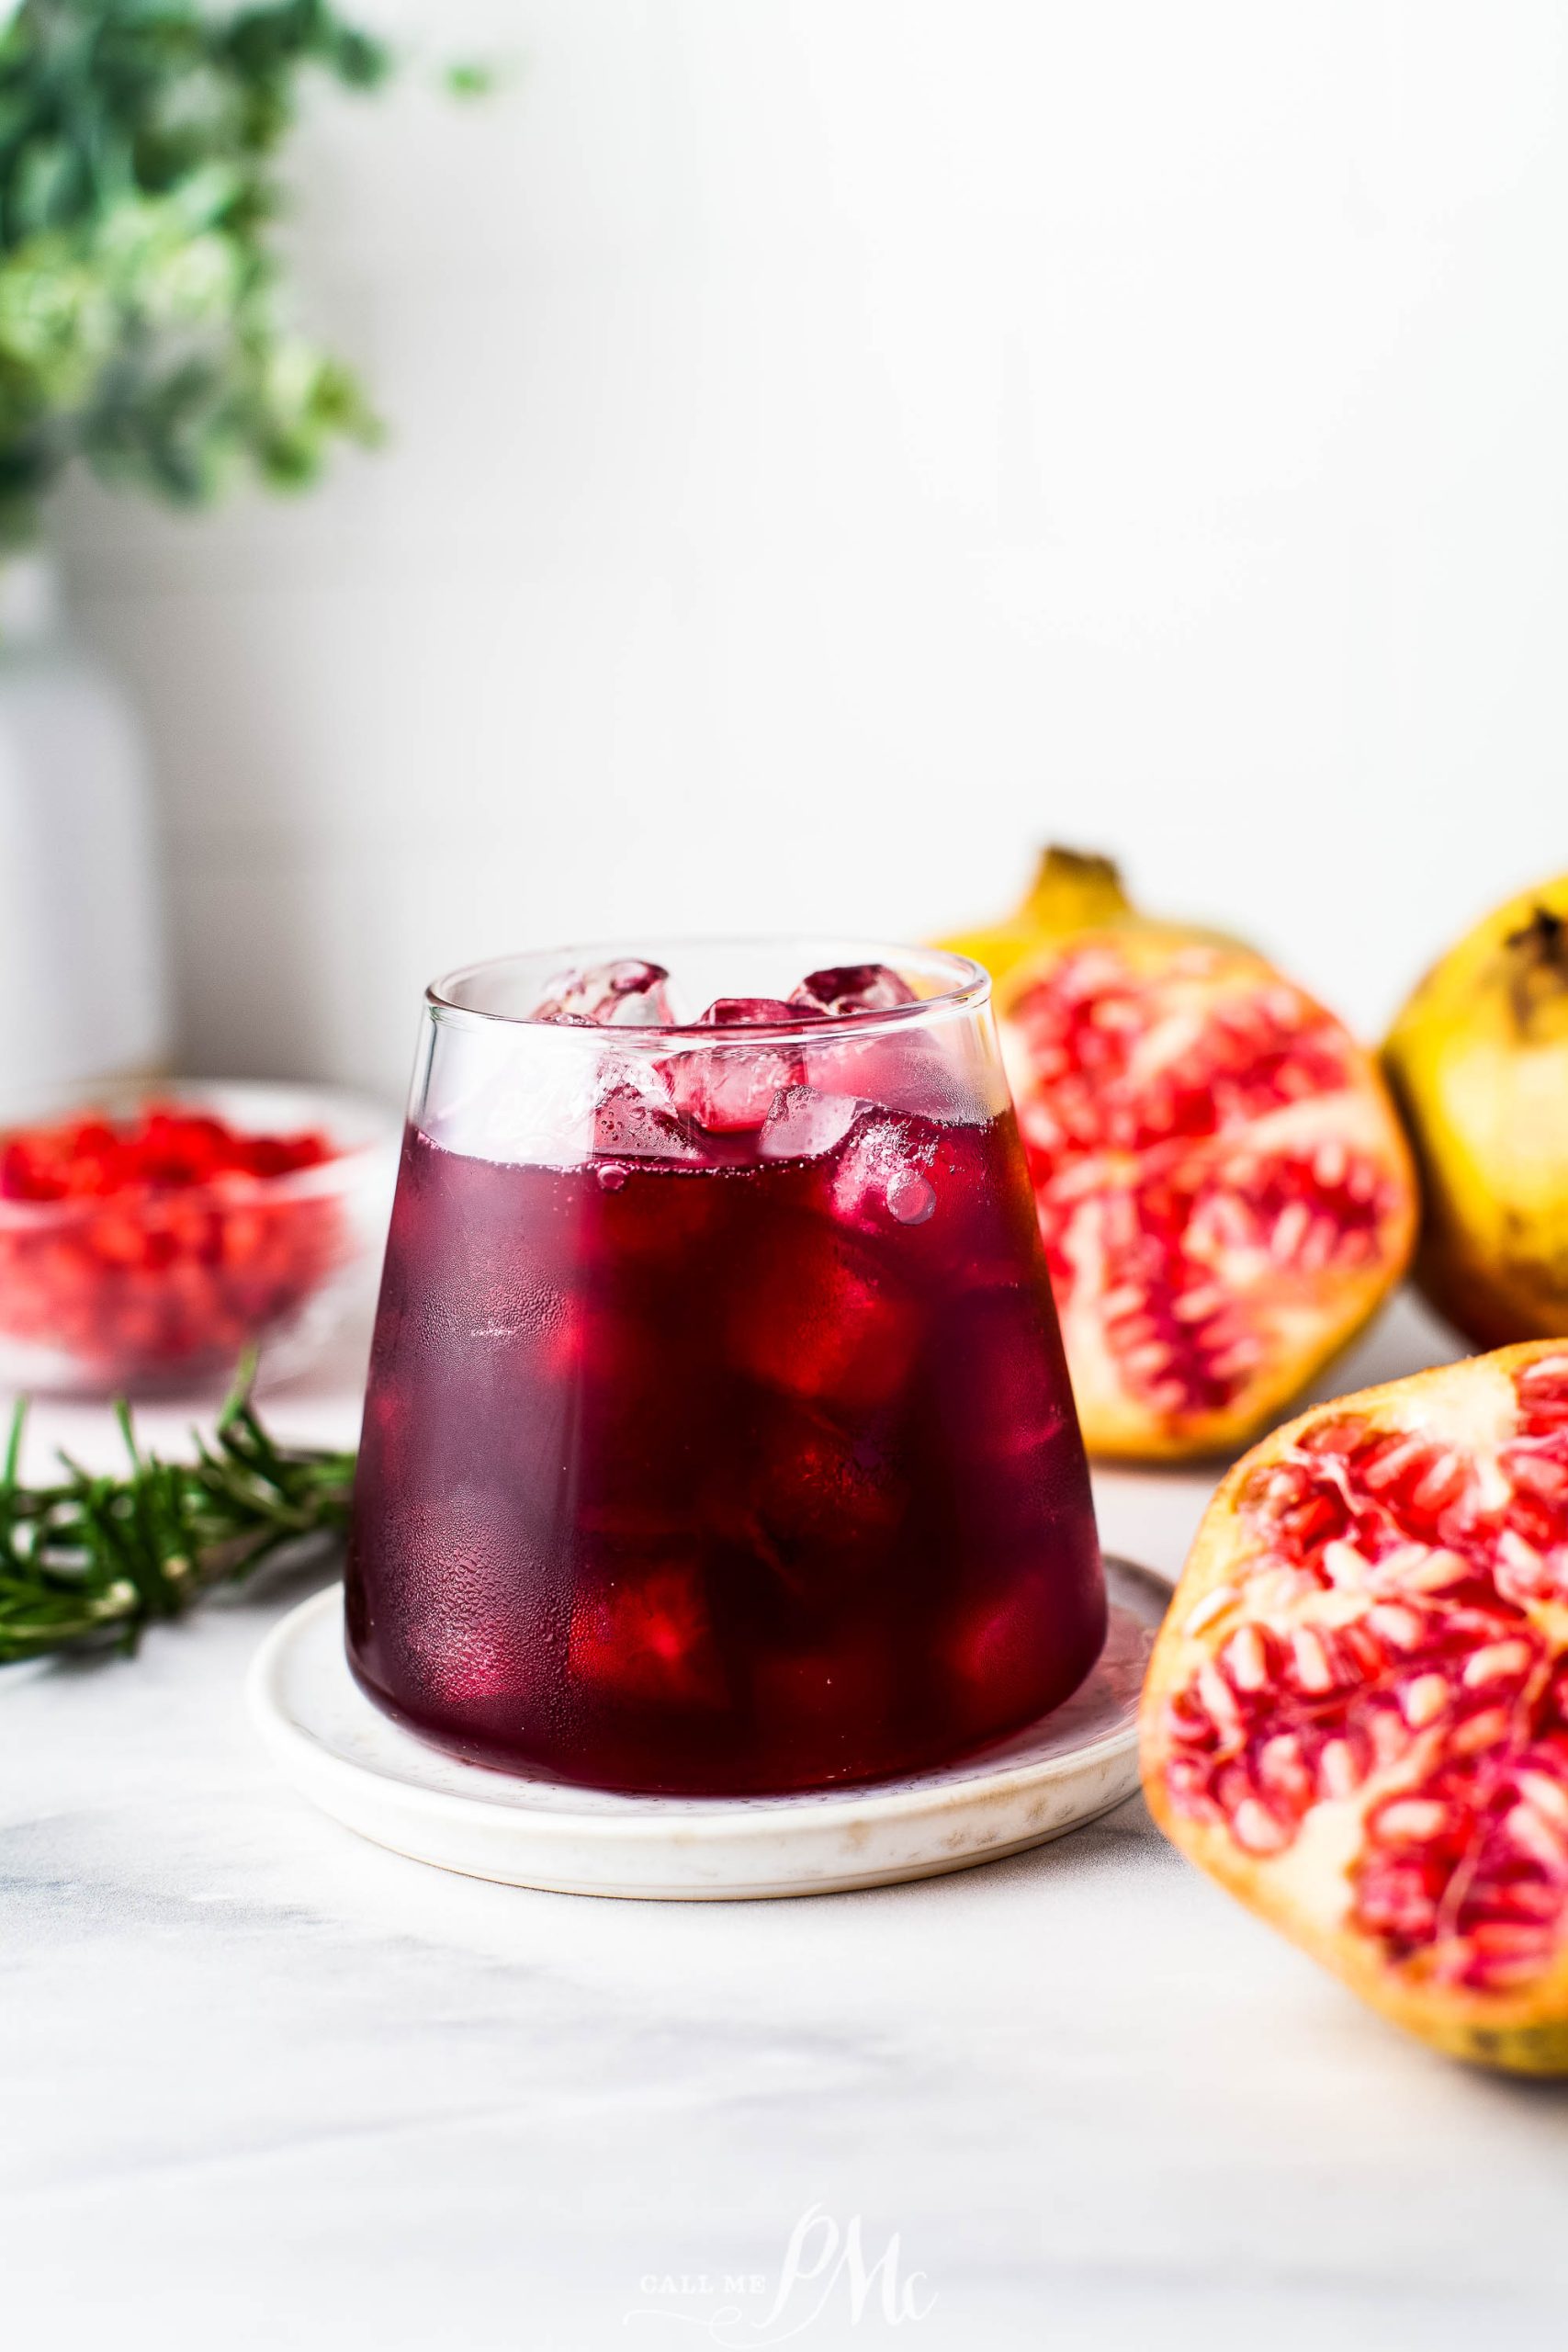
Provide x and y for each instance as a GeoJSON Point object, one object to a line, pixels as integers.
{"type": "Point", "coordinates": [94, 1557]}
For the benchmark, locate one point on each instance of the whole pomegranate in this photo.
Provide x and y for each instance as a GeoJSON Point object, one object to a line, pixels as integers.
{"type": "Point", "coordinates": [1356, 1716]}
{"type": "Point", "coordinates": [1223, 1187]}
{"type": "Point", "coordinates": [1479, 1062]}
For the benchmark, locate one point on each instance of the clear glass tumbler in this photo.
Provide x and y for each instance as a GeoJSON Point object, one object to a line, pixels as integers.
{"type": "Point", "coordinates": [719, 1437]}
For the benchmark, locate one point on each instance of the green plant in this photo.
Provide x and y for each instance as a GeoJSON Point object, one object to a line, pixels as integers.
{"type": "Point", "coordinates": [92, 1559]}
{"type": "Point", "coordinates": [144, 325]}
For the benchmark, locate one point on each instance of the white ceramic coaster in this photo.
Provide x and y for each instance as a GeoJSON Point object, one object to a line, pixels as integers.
{"type": "Point", "coordinates": [350, 1759]}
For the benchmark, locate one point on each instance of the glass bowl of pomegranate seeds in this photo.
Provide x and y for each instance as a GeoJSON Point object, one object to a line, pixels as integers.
{"type": "Point", "coordinates": [149, 1237]}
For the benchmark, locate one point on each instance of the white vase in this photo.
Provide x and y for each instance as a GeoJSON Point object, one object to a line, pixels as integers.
{"type": "Point", "coordinates": [82, 966]}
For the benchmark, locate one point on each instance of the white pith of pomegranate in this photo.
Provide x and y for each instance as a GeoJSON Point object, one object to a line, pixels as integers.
{"type": "Point", "coordinates": [1357, 1713]}
{"type": "Point", "coordinates": [1223, 1189]}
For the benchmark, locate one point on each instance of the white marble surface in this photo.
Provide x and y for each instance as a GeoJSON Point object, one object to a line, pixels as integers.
{"type": "Point", "coordinates": [264, 2084]}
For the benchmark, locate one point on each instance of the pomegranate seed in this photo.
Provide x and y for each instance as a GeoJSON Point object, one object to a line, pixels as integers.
{"type": "Point", "coordinates": [1496, 1658]}
{"type": "Point", "coordinates": [1311, 1659]}
{"type": "Point", "coordinates": [1399, 1626]}
{"type": "Point", "coordinates": [1445, 1479]}
{"type": "Point", "coordinates": [1413, 1820]}
{"type": "Point", "coordinates": [1289, 1227]}
{"type": "Point", "coordinates": [1219, 1700]}
{"type": "Point", "coordinates": [1428, 1571]}
{"type": "Point", "coordinates": [1246, 1658]}
{"type": "Point", "coordinates": [1425, 1700]}
{"type": "Point", "coordinates": [1389, 1737]}
{"type": "Point", "coordinates": [1362, 1650]}
{"type": "Point", "coordinates": [1548, 1796]}
{"type": "Point", "coordinates": [1488, 1729]}
{"type": "Point", "coordinates": [1197, 1305]}
{"type": "Point", "coordinates": [1256, 1828]}
{"type": "Point", "coordinates": [1520, 1557]}
{"type": "Point", "coordinates": [1187, 1719]}
{"type": "Point", "coordinates": [1542, 1842]}
{"type": "Point", "coordinates": [1505, 1938]}
{"type": "Point", "coordinates": [1339, 1770]}
{"type": "Point", "coordinates": [1538, 1475]}
{"type": "Point", "coordinates": [1282, 1769]}
{"type": "Point", "coordinates": [1390, 1460]}
{"type": "Point", "coordinates": [1343, 1564]}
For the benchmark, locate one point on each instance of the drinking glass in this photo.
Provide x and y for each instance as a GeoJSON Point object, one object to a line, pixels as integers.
{"type": "Point", "coordinates": [718, 1437]}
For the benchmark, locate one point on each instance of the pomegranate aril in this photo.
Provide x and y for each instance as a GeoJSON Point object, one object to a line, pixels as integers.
{"type": "Point", "coordinates": [1282, 1770]}
{"type": "Point", "coordinates": [1414, 1820]}
{"type": "Point", "coordinates": [1311, 1663]}
{"type": "Point", "coordinates": [1399, 1628]}
{"type": "Point", "coordinates": [1424, 1698]}
{"type": "Point", "coordinates": [1496, 1661]}
{"type": "Point", "coordinates": [1387, 1733]}
{"type": "Point", "coordinates": [1398, 1904]}
{"type": "Point", "coordinates": [1542, 1840]}
{"type": "Point", "coordinates": [1189, 1720]}
{"type": "Point", "coordinates": [1188, 1779]}
{"type": "Point", "coordinates": [1440, 1483]}
{"type": "Point", "coordinates": [1249, 1658]}
{"type": "Point", "coordinates": [1360, 1652]}
{"type": "Point", "coordinates": [1537, 1474]}
{"type": "Point", "coordinates": [1220, 1701]}
{"type": "Point", "coordinates": [1549, 1797]}
{"type": "Point", "coordinates": [1426, 1572]}
{"type": "Point", "coordinates": [1504, 1940]}
{"type": "Point", "coordinates": [1341, 1768]}
{"type": "Point", "coordinates": [1257, 1829]}
{"type": "Point", "coordinates": [1479, 1732]}
{"type": "Point", "coordinates": [1543, 1386]}
{"type": "Point", "coordinates": [1522, 1574]}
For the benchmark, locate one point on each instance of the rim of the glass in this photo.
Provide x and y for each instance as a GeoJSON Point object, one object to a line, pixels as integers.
{"type": "Point", "coordinates": [971, 989]}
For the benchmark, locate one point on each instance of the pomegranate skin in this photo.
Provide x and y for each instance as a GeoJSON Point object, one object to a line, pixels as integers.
{"type": "Point", "coordinates": [1356, 1715]}
{"type": "Point", "coordinates": [1478, 1060]}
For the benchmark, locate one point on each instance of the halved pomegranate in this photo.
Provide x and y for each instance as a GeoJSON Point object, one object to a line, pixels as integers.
{"type": "Point", "coordinates": [1223, 1189]}
{"type": "Point", "coordinates": [1356, 1716]}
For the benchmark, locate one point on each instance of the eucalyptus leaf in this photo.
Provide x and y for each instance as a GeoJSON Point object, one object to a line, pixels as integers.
{"type": "Point", "coordinates": [145, 321]}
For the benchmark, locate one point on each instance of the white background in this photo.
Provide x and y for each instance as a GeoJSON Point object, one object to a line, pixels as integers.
{"type": "Point", "coordinates": [836, 446]}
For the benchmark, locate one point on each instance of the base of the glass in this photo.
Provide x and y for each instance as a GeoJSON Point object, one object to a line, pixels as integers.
{"type": "Point", "coordinates": [352, 1760]}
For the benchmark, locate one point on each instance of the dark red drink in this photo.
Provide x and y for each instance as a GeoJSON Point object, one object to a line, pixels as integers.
{"type": "Point", "coordinates": [752, 1467]}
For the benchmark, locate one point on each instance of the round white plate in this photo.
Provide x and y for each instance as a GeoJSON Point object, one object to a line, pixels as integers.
{"type": "Point", "coordinates": [357, 1765]}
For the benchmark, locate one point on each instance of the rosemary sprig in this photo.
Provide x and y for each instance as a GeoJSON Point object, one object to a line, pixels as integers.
{"type": "Point", "coordinates": [97, 1559]}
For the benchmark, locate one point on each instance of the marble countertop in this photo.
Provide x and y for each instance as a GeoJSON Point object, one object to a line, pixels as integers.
{"type": "Point", "coordinates": [264, 2085]}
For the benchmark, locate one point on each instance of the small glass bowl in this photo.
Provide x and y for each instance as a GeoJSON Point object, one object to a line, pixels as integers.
{"type": "Point", "coordinates": [135, 1293]}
